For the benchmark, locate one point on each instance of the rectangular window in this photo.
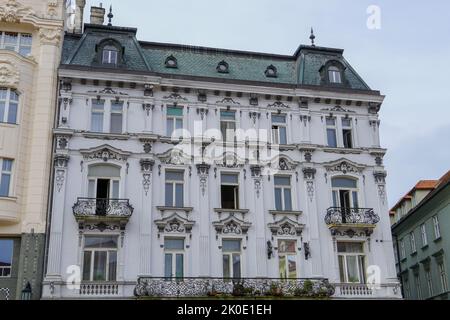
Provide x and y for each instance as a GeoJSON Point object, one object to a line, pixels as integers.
{"type": "Point", "coordinates": [109, 56]}
{"type": "Point", "coordinates": [418, 286]}
{"type": "Point", "coordinates": [5, 178]}
{"type": "Point", "coordinates": [6, 256]}
{"type": "Point", "coordinates": [407, 289]}
{"type": "Point", "coordinates": [279, 129]}
{"type": "Point", "coordinates": [429, 282]}
{"type": "Point", "coordinates": [443, 276]}
{"type": "Point", "coordinates": [9, 101]}
{"type": "Point", "coordinates": [287, 259]}
{"type": "Point", "coordinates": [18, 42]}
{"type": "Point", "coordinates": [98, 109]}
{"type": "Point", "coordinates": [228, 125]}
{"type": "Point", "coordinates": [231, 258]}
{"type": "Point", "coordinates": [173, 258]}
{"type": "Point", "coordinates": [174, 120]}
{"type": "Point", "coordinates": [437, 232]}
{"type": "Point", "coordinates": [402, 249]}
{"type": "Point", "coordinates": [347, 133]}
{"type": "Point", "coordinates": [334, 75]}
{"type": "Point", "coordinates": [331, 132]}
{"type": "Point", "coordinates": [423, 231]}
{"type": "Point", "coordinates": [116, 116]}
{"type": "Point", "coordinates": [413, 242]}
{"type": "Point", "coordinates": [229, 190]}
{"type": "Point", "coordinates": [351, 262]}
{"type": "Point", "coordinates": [100, 258]}
{"type": "Point", "coordinates": [174, 189]}
{"type": "Point", "coordinates": [283, 201]}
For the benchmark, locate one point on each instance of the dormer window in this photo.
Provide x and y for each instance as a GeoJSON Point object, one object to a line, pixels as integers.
{"type": "Point", "coordinates": [271, 71]}
{"type": "Point", "coordinates": [171, 62]}
{"type": "Point", "coordinates": [110, 55]}
{"type": "Point", "coordinates": [222, 67]}
{"type": "Point", "coordinates": [334, 75]}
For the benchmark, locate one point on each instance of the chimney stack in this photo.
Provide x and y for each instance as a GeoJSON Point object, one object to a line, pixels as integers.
{"type": "Point", "coordinates": [79, 8]}
{"type": "Point", "coordinates": [97, 15]}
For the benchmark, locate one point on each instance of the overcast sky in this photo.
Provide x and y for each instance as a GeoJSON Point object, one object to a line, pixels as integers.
{"type": "Point", "coordinates": [408, 59]}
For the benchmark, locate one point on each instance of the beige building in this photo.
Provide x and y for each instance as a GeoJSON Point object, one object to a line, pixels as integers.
{"type": "Point", "coordinates": [31, 33]}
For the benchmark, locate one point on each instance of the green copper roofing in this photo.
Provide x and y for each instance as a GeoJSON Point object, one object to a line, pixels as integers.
{"type": "Point", "coordinates": [302, 68]}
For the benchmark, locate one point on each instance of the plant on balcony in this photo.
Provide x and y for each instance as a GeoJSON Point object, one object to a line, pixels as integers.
{"type": "Point", "coordinates": [239, 290]}
{"type": "Point", "coordinates": [275, 291]}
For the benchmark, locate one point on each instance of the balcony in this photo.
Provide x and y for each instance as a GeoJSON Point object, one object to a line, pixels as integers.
{"type": "Point", "coordinates": [351, 221]}
{"type": "Point", "coordinates": [365, 291]}
{"type": "Point", "coordinates": [102, 211]}
{"type": "Point", "coordinates": [220, 287]}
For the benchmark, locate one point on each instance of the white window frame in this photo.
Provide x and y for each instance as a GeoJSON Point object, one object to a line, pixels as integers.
{"type": "Point", "coordinates": [18, 45]}
{"type": "Point", "coordinates": [429, 282]}
{"type": "Point", "coordinates": [91, 267]}
{"type": "Point", "coordinates": [111, 185]}
{"type": "Point", "coordinates": [228, 122]}
{"type": "Point", "coordinates": [412, 239]}
{"type": "Point", "coordinates": [276, 133]}
{"type": "Point", "coordinates": [230, 258]}
{"type": "Point", "coordinates": [443, 276]}
{"type": "Point", "coordinates": [3, 268]}
{"type": "Point", "coordinates": [334, 75]}
{"type": "Point", "coordinates": [7, 102]}
{"type": "Point", "coordinates": [336, 200]}
{"type": "Point", "coordinates": [236, 190]}
{"type": "Point", "coordinates": [418, 286]}
{"type": "Point", "coordinates": [174, 253]}
{"type": "Point", "coordinates": [350, 128]}
{"type": "Point", "coordinates": [112, 57]}
{"type": "Point", "coordinates": [286, 255]}
{"type": "Point", "coordinates": [116, 112]}
{"type": "Point", "coordinates": [358, 256]}
{"type": "Point", "coordinates": [402, 249]}
{"type": "Point", "coordinates": [283, 188]}
{"type": "Point", "coordinates": [437, 231]}
{"type": "Point", "coordinates": [423, 232]}
{"type": "Point", "coordinates": [174, 119]}
{"type": "Point", "coordinates": [174, 184]}
{"type": "Point", "coordinates": [331, 127]}
{"type": "Point", "coordinates": [103, 112]}
{"type": "Point", "coordinates": [10, 173]}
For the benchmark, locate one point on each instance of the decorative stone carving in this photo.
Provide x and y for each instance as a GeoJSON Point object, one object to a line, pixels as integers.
{"type": "Point", "coordinates": [174, 224]}
{"type": "Point", "coordinates": [174, 156]}
{"type": "Point", "coordinates": [105, 153]}
{"type": "Point", "coordinates": [14, 11]}
{"type": "Point", "coordinates": [380, 180]}
{"type": "Point", "coordinates": [203, 112]}
{"type": "Point", "coordinates": [256, 175]}
{"type": "Point", "coordinates": [374, 107]}
{"type": "Point", "coordinates": [229, 160]}
{"type": "Point", "coordinates": [309, 174]}
{"type": "Point", "coordinates": [50, 36]}
{"type": "Point", "coordinates": [203, 172]}
{"type": "Point", "coordinates": [286, 227]}
{"type": "Point", "coordinates": [286, 164]}
{"type": "Point", "coordinates": [228, 101]}
{"type": "Point", "coordinates": [9, 75]}
{"type": "Point", "coordinates": [278, 104]}
{"type": "Point", "coordinates": [147, 107]}
{"type": "Point", "coordinates": [231, 225]}
{"type": "Point", "coordinates": [61, 161]}
{"type": "Point", "coordinates": [345, 166]}
{"type": "Point", "coordinates": [59, 179]}
{"type": "Point", "coordinates": [146, 168]}
{"type": "Point", "coordinates": [52, 6]}
{"type": "Point", "coordinates": [254, 115]}
{"type": "Point", "coordinates": [175, 96]}
{"type": "Point", "coordinates": [338, 109]}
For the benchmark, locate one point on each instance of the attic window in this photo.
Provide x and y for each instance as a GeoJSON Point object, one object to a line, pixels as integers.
{"type": "Point", "coordinates": [171, 62]}
{"type": "Point", "coordinates": [109, 55]}
{"type": "Point", "coordinates": [334, 75]}
{"type": "Point", "coordinates": [222, 67]}
{"type": "Point", "coordinates": [271, 71]}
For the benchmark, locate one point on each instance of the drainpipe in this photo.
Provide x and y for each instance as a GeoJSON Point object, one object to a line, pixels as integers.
{"type": "Point", "coordinates": [399, 265]}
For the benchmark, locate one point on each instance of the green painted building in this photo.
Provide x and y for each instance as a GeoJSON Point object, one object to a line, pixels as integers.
{"type": "Point", "coordinates": [420, 225]}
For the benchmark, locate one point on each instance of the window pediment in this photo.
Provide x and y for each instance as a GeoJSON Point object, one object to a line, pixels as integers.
{"type": "Point", "coordinates": [344, 166]}
{"type": "Point", "coordinates": [231, 225]}
{"type": "Point", "coordinates": [105, 153]}
{"type": "Point", "coordinates": [286, 227]}
{"type": "Point", "coordinates": [174, 224]}
{"type": "Point", "coordinates": [174, 156]}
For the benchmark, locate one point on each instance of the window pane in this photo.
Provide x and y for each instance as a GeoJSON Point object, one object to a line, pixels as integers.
{"type": "Point", "coordinates": [179, 195]}
{"type": "Point", "coordinates": [331, 122]}
{"type": "Point", "coordinates": [87, 265]}
{"type": "Point", "coordinates": [287, 199]}
{"type": "Point", "coordinates": [282, 267]}
{"type": "Point", "coordinates": [231, 245]}
{"type": "Point", "coordinates": [178, 123]}
{"type": "Point", "coordinates": [101, 242]}
{"type": "Point", "coordinates": [91, 189]}
{"type": "Point", "coordinates": [112, 265]}
{"type": "Point", "coordinates": [100, 265]}
{"type": "Point", "coordinates": [6, 253]}
{"type": "Point", "coordinates": [115, 190]}
{"type": "Point", "coordinates": [117, 106]}
{"type": "Point", "coordinates": [292, 267]}
{"type": "Point", "coordinates": [343, 183]}
{"type": "Point", "coordinates": [97, 122]}
{"type": "Point", "coordinates": [168, 265]}
{"type": "Point", "coordinates": [282, 181]}
{"type": "Point", "coordinates": [12, 113]}
{"type": "Point", "coordinates": [283, 138]}
{"type": "Point", "coordinates": [352, 269]}
{"type": "Point", "coordinates": [175, 175]}
{"type": "Point", "coordinates": [346, 122]}
{"type": "Point", "coordinates": [98, 105]}
{"type": "Point", "coordinates": [279, 118]}
{"type": "Point", "coordinates": [355, 199]}
{"type": "Point", "coordinates": [169, 194]}
{"type": "Point", "coordinates": [169, 127]}
{"type": "Point", "coordinates": [179, 265]}
{"type": "Point", "coordinates": [7, 165]}
{"type": "Point", "coordinates": [331, 136]}
{"type": "Point", "coordinates": [341, 268]}
{"type": "Point", "coordinates": [278, 201]}
{"type": "Point", "coordinates": [4, 184]}
{"type": "Point", "coordinates": [173, 244]}
{"type": "Point", "coordinates": [104, 171]}
{"type": "Point", "coordinates": [286, 246]}
{"type": "Point", "coordinates": [174, 111]}
{"type": "Point", "coordinates": [229, 178]}
{"type": "Point", "coordinates": [335, 199]}
{"type": "Point", "coordinates": [236, 265]}
{"type": "Point", "coordinates": [350, 247]}
{"type": "Point", "coordinates": [227, 115]}
{"type": "Point", "coordinates": [2, 111]}
{"type": "Point", "coordinates": [362, 269]}
{"type": "Point", "coordinates": [10, 40]}
{"type": "Point", "coordinates": [116, 123]}
{"type": "Point", "coordinates": [226, 265]}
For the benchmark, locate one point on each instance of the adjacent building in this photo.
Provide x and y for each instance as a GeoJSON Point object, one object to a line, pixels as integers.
{"type": "Point", "coordinates": [420, 221]}
{"type": "Point", "coordinates": [30, 39]}
{"type": "Point", "coordinates": [178, 169]}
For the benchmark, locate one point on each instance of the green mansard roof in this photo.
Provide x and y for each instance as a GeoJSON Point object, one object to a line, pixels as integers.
{"type": "Point", "coordinates": [305, 67]}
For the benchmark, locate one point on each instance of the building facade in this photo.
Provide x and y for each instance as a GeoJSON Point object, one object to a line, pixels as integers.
{"type": "Point", "coordinates": [205, 165]}
{"type": "Point", "coordinates": [30, 40]}
{"type": "Point", "coordinates": [420, 221]}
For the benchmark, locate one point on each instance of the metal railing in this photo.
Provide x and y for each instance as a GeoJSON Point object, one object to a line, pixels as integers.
{"type": "Point", "coordinates": [85, 207]}
{"type": "Point", "coordinates": [344, 215]}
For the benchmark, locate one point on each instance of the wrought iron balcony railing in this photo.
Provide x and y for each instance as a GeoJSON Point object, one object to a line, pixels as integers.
{"type": "Point", "coordinates": [96, 207]}
{"type": "Point", "coordinates": [343, 215]}
{"type": "Point", "coordinates": [222, 287]}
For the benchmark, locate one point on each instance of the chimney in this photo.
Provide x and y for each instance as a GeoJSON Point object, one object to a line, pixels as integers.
{"type": "Point", "coordinates": [97, 15]}
{"type": "Point", "coordinates": [79, 8]}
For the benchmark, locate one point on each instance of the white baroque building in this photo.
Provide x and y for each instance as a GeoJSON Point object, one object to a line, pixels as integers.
{"type": "Point", "coordinates": [136, 212]}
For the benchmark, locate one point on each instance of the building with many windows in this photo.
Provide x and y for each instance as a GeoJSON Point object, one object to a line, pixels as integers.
{"type": "Point", "coordinates": [179, 169]}
{"type": "Point", "coordinates": [419, 223]}
{"type": "Point", "coordinates": [30, 40]}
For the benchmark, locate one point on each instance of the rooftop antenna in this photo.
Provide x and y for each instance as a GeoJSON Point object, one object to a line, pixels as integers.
{"type": "Point", "coordinates": [110, 16]}
{"type": "Point", "coordinates": [312, 37]}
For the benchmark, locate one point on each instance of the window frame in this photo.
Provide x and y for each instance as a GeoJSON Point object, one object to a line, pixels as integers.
{"type": "Point", "coordinates": [92, 259]}
{"type": "Point", "coordinates": [174, 253]}
{"type": "Point", "coordinates": [228, 122]}
{"type": "Point", "coordinates": [18, 46]}
{"type": "Point", "coordinates": [442, 276]}
{"type": "Point", "coordinates": [418, 285]}
{"type": "Point", "coordinates": [9, 173]}
{"type": "Point", "coordinates": [3, 268]}
{"type": "Point", "coordinates": [332, 127]}
{"type": "Point", "coordinates": [286, 255]}
{"type": "Point", "coordinates": [429, 280]}
{"type": "Point", "coordinates": [283, 189]}
{"type": "Point", "coordinates": [115, 112]}
{"type": "Point", "coordinates": [357, 256]}
{"type": "Point", "coordinates": [175, 119]}
{"type": "Point", "coordinates": [174, 184]}
{"type": "Point", "coordinates": [231, 254]}
{"type": "Point", "coordinates": [436, 227]}
{"type": "Point", "coordinates": [349, 130]}
{"type": "Point", "coordinates": [423, 232]}
{"type": "Point", "coordinates": [334, 75]}
{"type": "Point", "coordinates": [233, 184]}
{"type": "Point", "coordinates": [97, 111]}
{"type": "Point", "coordinates": [276, 132]}
{"type": "Point", "coordinates": [412, 239]}
{"type": "Point", "coordinates": [336, 195]}
{"type": "Point", "coordinates": [7, 105]}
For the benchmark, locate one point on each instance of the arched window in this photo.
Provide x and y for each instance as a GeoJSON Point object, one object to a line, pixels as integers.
{"type": "Point", "coordinates": [222, 67]}
{"type": "Point", "coordinates": [110, 55]}
{"type": "Point", "coordinates": [9, 102]}
{"type": "Point", "coordinates": [271, 71]}
{"type": "Point", "coordinates": [103, 181]}
{"type": "Point", "coordinates": [345, 192]}
{"type": "Point", "coordinates": [334, 75]}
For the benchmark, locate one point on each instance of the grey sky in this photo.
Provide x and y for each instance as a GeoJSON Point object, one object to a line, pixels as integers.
{"type": "Point", "coordinates": [407, 60]}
